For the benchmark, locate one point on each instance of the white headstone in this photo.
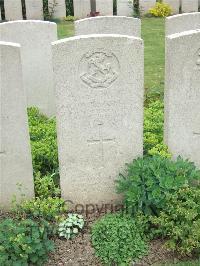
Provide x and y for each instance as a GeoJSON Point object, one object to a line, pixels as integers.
{"type": "Point", "coordinates": [58, 7]}
{"type": "Point", "coordinates": [13, 9]}
{"type": "Point", "coordinates": [189, 6]}
{"type": "Point", "coordinates": [145, 5]}
{"type": "Point", "coordinates": [105, 7]}
{"type": "Point", "coordinates": [182, 95]}
{"type": "Point", "coordinates": [108, 25]}
{"type": "Point", "coordinates": [35, 38]}
{"type": "Point", "coordinates": [174, 4]}
{"type": "Point", "coordinates": [99, 91]}
{"type": "Point", "coordinates": [34, 9]}
{"type": "Point", "coordinates": [182, 22]}
{"type": "Point", "coordinates": [82, 8]}
{"type": "Point", "coordinates": [15, 153]}
{"type": "Point", "coordinates": [125, 8]}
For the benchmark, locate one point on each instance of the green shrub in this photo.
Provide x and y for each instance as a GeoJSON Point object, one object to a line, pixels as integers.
{"type": "Point", "coordinates": [45, 187]}
{"type": "Point", "coordinates": [117, 239]}
{"type": "Point", "coordinates": [161, 10]}
{"type": "Point", "coordinates": [147, 180]}
{"type": "Point", "coordinates": [153, 129]}
{"type": "Point", "coordinates": [49, 209]}
{"type": "Point", "coordinates": [24, 242]}
{"type": "Point", "coordinates": [70, 227]}
{"type": "Point", "coordinates": [180, 221]}
{"type": "Point", "coordinates": [43, 142]}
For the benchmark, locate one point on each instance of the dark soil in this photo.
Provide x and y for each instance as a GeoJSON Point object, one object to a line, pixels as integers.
{"type": "Point", "coordinates": [79, 251]}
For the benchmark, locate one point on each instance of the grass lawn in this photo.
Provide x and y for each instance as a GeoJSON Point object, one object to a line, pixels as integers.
{"type": "Point", "coordinates": [153, 35]}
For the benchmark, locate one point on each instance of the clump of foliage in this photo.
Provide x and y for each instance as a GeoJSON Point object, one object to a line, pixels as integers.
{"type": "Point", "coordinates": [70, 227]}
{"type": "Point", "coordinates": [70, 18]}
{"type": "Point", "coordinates": [24, 242]}
{"type": "Point", "coordinates": [117, 239]}
{"type": "Point", "coordinates": [69, 7]}
{"type": "Point", "coordinates": [43, 142]}
{"type": "Point", "coordinates": [45, 187]}
{"type": "Point", "coordinates": [161, 10]}
{"type": "Point", "coordinates": [49, 209]}
{"type": "Point", "coordinates": [153, 130]}
{"type": "Point", "coordinates": [147, 181]}
{"type": "Point", "coordinates": [179, 222]}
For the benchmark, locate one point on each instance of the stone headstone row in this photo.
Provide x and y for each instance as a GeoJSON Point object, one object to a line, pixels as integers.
{"type": "Point", "coordinates": [98, 131]}
{"type": "Point", "coordinates": [34, 9]}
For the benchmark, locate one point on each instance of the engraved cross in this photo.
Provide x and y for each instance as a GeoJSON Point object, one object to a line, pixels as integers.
{"type": "Point", "coordinates": [101, 142]}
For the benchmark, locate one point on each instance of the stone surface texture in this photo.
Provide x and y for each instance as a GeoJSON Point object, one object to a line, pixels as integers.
{"type": "Point", "coordinates": [109, 25]}
{"type": "Point", "coordinates": [189, 6]}
{"type": "Point", "coordinates": [182, 22]}
{"type": "Point", "coordinates": [105, 7]}
{"type": "Point", "coordinates": [15, 153]}
{"type": "Point", "coordinates": [35, 38]}
{"type": "Point", "coordinates": [175, 5]}
{"type": "Point", "coordinates": [34, 9]}
{"type": "Point", "coordinates": [59, 8]}
{"type": "Point", "coordinates": [99, 94]}
{"type": "Point", "coordinates": [182, 95]}
{"type": "Point", "coordinates": [13, 9]}
{"type": "Point", "coordinates": [124, 8]}
{"type": "Point", "coordinates": [82, 8]}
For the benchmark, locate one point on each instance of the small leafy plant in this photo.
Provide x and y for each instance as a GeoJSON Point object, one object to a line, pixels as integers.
{"type": "Point", "coordinates": [70, 227]}
{"type": "Point", "coordinates": [179, 222]}
{"type": "Point", "coordinates": [117, 239]}
{"type": "Point", "coordinates": [147, 181]}
{"type": "Point", "coordinates": [153, 130]}
{"type": "Point", "coordinates": [161, 10]}
{"type": "Point", "coordinates": [24, 242]}
{"type": "Point", "coordinates": [45, 187]}
{"type": "Point", "coordinates": [49, 209]}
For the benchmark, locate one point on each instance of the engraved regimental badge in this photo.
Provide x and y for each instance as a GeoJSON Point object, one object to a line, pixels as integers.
{"type": "Point", "coordinates": [99, 69]}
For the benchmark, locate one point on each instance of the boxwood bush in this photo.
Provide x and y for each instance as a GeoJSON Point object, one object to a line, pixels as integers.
{"type": "Point", "coordinates": [118, 240]}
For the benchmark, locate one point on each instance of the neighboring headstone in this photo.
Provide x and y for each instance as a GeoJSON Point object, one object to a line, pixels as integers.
{"type": "Point", "coordinates": [182, 95]}
{"type": "Point", "coordinates": [35, 38]}
{"type": "Point", "coordinates": [145, 5]}
{"type": "Point", "coordinates": [125, 8]}
{"type": "Point", "coordinates": [57, 8]}
{"type": "Point", "coordinates": [182, 22]}
{"type": "Point", "coordinates": [189, 6]}
{"type": "Point", "coordinates": [34, 9]}
{"type": "Point", "coordinates": [15, 154]}
{"type": "Point", "coordinates": [82, 8]}
{"type": "Point", "coordinates": [104, 7]}
{"type": "Point", "coordinates": [99, 95]}
{"type": "Point", "coordinates": [174, 4]}
{"type": "Point", "coordinates": [13, 9]}
{"type": "Point", "coordinates": [108, 25]}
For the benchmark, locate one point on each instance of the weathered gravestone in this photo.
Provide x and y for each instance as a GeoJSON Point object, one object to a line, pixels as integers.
{"type": "Point", "coordinates": [109, 25]}
{"type": "Point", "coordinates": [34, 9]}
{"type": "Point", "coordinates": [145, 5]}
{"type": "Point", "coordinates": [174, 4]}
{"type": "Point", "coordinates": [58, 8]}
{"type": "Point", "coordinates": [82, 8]}
{"type": "Point", "coordinates": [182, 22]}
{"type": "Point", "coordinates": [99, 91]}
{"type": "Point", "coordinates": [13, 9]}
{"type": "Point", "coordinates": [15, 154]}
{"type": "Point", "coordinates": [105, 7]}
{"type": "Point", "coordinates": [125, 8]}
{"type": "Point", "coordinates": [35, 38]}
{"type": "Point", "coordinates": [182, 95]}
{"type": "Point", "coordinates": [189, 6]}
